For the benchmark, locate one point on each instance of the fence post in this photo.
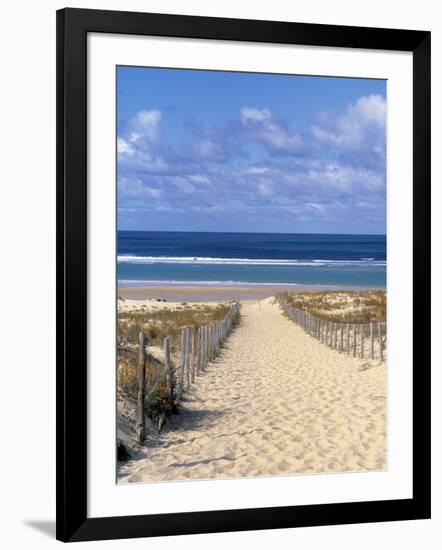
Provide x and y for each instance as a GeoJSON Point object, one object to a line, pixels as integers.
{"type": "Point", "coordinates": [371, 341]}
{"type": "Point", "coordinates": [354, 340]}
{"type": "Point", "coordinates": [209, 343]}
{"type": "Point", "coordinates": [188, 356]}
{"type": "Point", "coordinates": [341, 347]}
{"type": "Point", "coordinates": [140, 425]}
{"type": "Point", "coordinates": [208, 340]}
{"type": "Point", "coordinates": [212, 354]}
{"type": "Point", "coordinates": [201, 350]}
{"type": "Point", "coordinates": [180, 386]}
{"type": "Point", "coordinates": [362, 341]}
{"type": "Point", "coordinates": [204, 347]}
{"type": "Point", "coordinates": [213, 340]}
{"type": "Point", "coordinates": [169, 380]}
{"type": "Point", "coordinates": [214, 329]}
{"type": "Point", "coordinates": [207, 350]}
{"type": "Point", "coordinates": [381, 351]}
{"type": "Point", "coordinates": [194, 357]}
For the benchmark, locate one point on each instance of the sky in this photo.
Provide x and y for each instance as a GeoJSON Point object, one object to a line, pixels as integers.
{"type": "Point", "coordinates": [250, 152]}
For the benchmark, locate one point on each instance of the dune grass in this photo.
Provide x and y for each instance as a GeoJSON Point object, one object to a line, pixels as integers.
{"type": "Point", "coordinates": [349, 306]}
{"type": "Point", "coordinates": [156, 324]}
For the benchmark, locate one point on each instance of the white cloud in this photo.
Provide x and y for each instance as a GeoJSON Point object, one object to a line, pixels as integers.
{"type": "Point", "coordinates": [139, 147]}
{"type": "Point", "coordinates": [124, 148]}
{"type": "Point", "coordinates": [183, 185]}
{"type": "Point", "coordinates": [334, 178]}
{"type": "Point", "coordinates": [265, 128]}
{"type": "Point", "coordinates": [256, 170]}
{"type": "Point", "coordinates": [335, 171]}
{"type": "Point", "coordinates": [199, 179]}
{"type": "Point", "coordinates": [135, 189]}
{"type": "Point", "coordinates": [207, 149]}
{"type": "Point", "coordinates": [145, 125]}
{"type": "Point", "coordinates": [369, 110]}
{"type": "Point", "coordinates": [253, 114]}
{"type": "Point", "coordinates": [362, 127]}
{"type": "Point", "coordinates": [265, 188]}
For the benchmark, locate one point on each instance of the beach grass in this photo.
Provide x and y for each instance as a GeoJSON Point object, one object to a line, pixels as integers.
{"type": "Point", "coordinates": [341, 306]}
{"type": "Point", "coordinates": [167, 321]}
{"type": "Point", "coordinates": [157, 321]}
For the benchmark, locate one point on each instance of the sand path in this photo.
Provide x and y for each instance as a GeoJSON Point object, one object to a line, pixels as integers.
{"type": "Point", "coordinates": [275, 402]}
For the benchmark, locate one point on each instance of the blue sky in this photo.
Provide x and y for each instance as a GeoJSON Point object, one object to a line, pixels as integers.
{"type": "Point", "coordinates": [225, 151]}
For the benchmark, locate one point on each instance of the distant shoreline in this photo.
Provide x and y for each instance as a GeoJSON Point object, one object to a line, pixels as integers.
{"type": "Point", "coordinates": [197, 292]}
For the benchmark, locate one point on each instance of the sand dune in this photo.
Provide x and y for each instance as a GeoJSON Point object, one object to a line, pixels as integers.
{"type": "Point", "coordinates": [275, 402]}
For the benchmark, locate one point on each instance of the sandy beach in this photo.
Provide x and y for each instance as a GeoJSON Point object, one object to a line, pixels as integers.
{"type": "Point", "coordinates": [201, 293]}
{"type": "Point", "coordinates": [275, 402]}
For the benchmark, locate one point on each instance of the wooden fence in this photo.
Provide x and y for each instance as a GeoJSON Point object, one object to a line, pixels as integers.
{"type": "Point", "coordinates": [198, 347]}
{"type": "Point", "coordinates": [358, 340]}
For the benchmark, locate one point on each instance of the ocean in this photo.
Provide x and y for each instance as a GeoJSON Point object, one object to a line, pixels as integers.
{"type": "Point", "coordinates": [336, 261]}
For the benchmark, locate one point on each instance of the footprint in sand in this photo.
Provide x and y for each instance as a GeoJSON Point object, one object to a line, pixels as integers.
{"type": "Point", "coordinates": [313, 412]}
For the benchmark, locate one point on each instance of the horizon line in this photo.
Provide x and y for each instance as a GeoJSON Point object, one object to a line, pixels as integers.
{"type": "Point", "coordinates": [247, 232]}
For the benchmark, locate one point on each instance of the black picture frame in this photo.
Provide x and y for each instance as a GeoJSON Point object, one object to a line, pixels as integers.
{"type": "Point", "coordinates": [73, 25]}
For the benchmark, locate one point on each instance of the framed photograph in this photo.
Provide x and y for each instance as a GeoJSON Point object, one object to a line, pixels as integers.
{"type": "Point", "coordinates": [243, 284]}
